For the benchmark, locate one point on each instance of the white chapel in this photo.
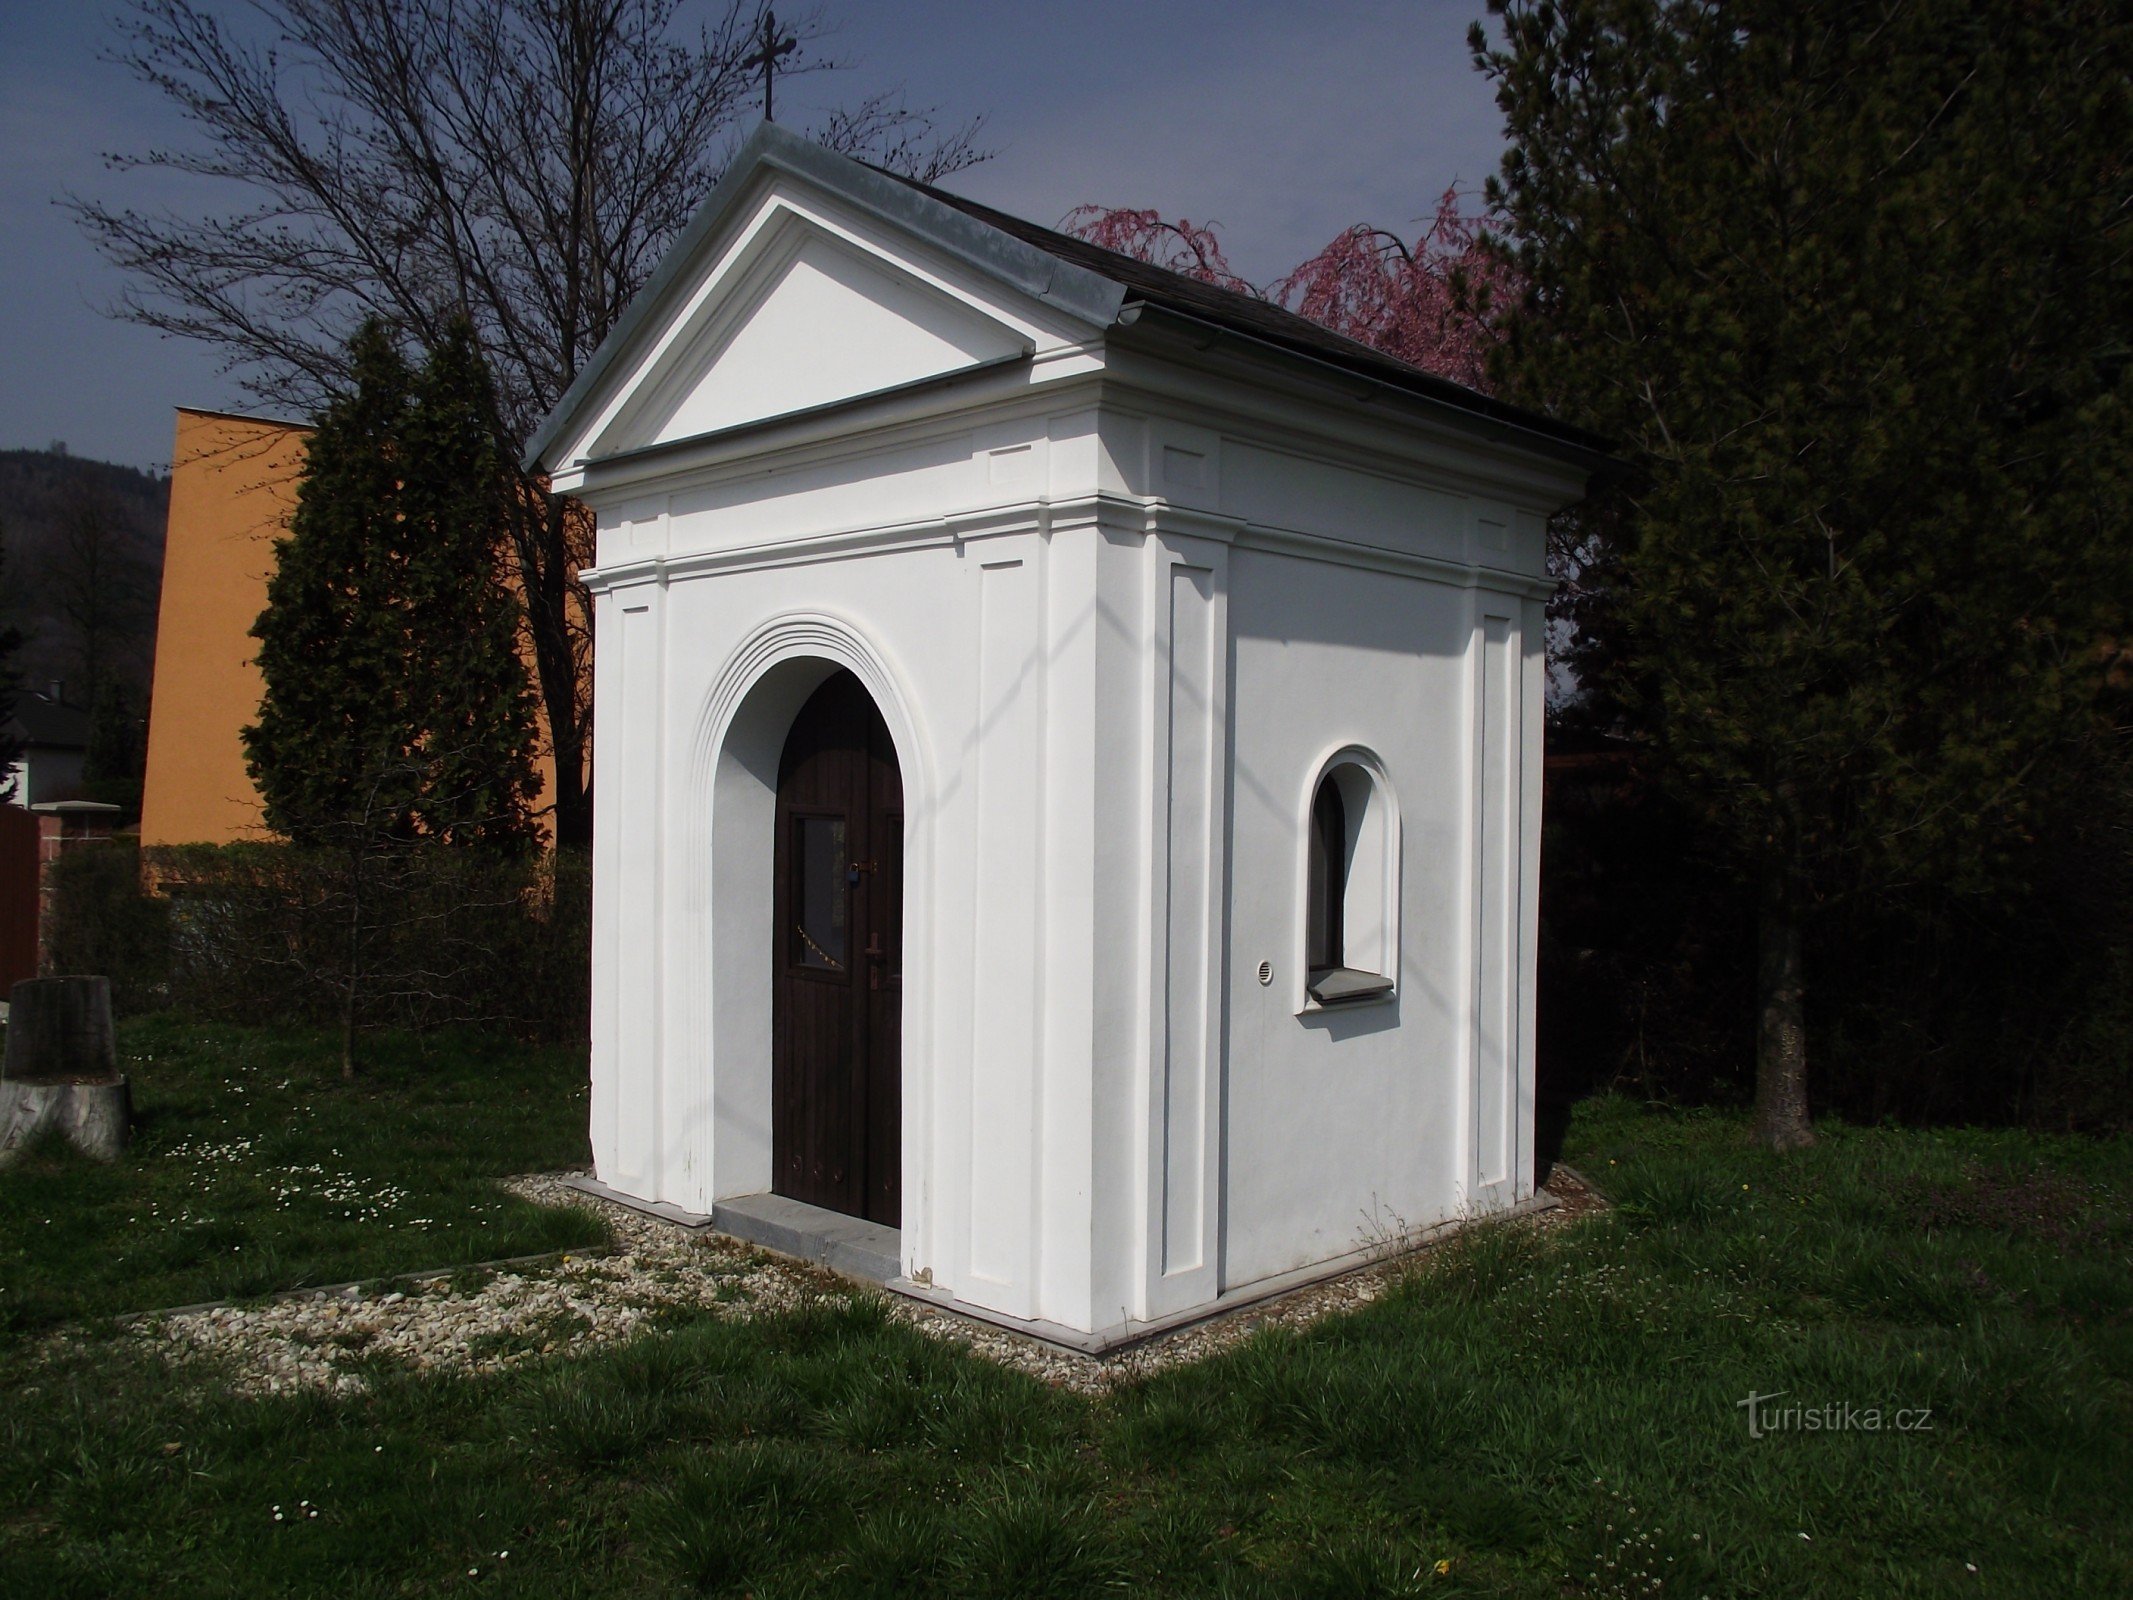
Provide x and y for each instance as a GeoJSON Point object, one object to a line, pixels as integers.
{"type": "Point", "coordinates": [1068, 781]}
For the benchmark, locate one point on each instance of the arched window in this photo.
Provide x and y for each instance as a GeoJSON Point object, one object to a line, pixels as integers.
{"type": "Point", "coordinates": [1329, 877]}
{"type": "Point", "coordinates": [1351, 889]}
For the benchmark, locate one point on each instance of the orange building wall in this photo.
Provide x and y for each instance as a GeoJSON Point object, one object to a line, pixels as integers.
{"type": "Point", "coordinates": [233, 484]}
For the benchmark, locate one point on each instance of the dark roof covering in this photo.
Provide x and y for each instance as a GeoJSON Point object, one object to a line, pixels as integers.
{"type": "Point", "coordinates": [1258, 319]}
{"type": "Point", "coordinates": [48, 724]}
{"type": "Point", "coordinates": [1080, 278]}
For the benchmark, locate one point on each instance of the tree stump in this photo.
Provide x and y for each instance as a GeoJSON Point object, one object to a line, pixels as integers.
{"type": "Point", "coordinates": [61, 1068]}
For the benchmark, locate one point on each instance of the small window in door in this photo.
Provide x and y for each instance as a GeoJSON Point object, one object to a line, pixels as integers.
{"type": "Point", "coordinates": [820, 895]}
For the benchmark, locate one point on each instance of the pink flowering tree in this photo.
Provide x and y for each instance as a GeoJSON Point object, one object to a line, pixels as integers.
{"type": "Point", "coordinates": [1434, 303]}
{"type": "Point", "coordinates": [1190, 248]}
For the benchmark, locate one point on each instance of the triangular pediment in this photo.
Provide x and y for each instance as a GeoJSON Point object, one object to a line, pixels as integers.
{"type": "Point", "coordinates": [806, 280]}
{"type": "Point", "coordinates": [807, 320]}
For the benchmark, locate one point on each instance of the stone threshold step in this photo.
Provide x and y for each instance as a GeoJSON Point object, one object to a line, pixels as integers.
{"type": "Point", "coordinates": [850, 1246]}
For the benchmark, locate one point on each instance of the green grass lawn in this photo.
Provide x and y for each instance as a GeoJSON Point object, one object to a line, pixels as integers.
{"type": "Point", "coordinates": [1527, 1414]}
{"type": "Point", "coordinates": [254, 1168]}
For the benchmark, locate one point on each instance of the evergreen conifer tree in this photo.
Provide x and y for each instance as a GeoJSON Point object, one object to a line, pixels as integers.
{"type": "Point", "coordinates": [395, 704]}
{"type": "Point", "coordinates": [1850, 285]}
{"type": "Point", "coordinates": [476, 709]}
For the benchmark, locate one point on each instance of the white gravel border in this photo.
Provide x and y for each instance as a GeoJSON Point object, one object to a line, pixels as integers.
{"type": "Point", "coordinates": [334, 1340]}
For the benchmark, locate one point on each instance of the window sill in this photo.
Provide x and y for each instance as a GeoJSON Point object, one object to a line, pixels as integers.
{"type": "Point", "coordinates": [1337, 988]}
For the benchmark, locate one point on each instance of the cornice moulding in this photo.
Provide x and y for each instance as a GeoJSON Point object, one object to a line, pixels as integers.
{"type": "Point", "coordinates": [1110, 513]}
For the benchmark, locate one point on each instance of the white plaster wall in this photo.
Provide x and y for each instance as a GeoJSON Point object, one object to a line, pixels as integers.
{"type": "Point", "coordinates": [1115, 631]}
{"type": "Point", "coordinates": [1001, 640]}
{"type": "Point", "coordinates": [1110, 702]}
{"type": "Point", "coordinates": [1349, 1123]}
{"type": "Point", "coordinates": [1387, 603]}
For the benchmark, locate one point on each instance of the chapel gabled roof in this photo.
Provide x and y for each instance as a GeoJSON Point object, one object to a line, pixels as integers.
{"type": "Point", "coordinates": [1084, 280]}
{"type": "Point", "coordinates": [1259, 319]}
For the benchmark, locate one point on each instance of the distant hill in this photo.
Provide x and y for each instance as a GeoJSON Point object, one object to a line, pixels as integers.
{"type": "Point", "coordinates": [84, 567]}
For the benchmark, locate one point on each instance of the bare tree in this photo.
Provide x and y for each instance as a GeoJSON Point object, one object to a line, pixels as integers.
{"type": "Point", "coordinates": [521, 163]}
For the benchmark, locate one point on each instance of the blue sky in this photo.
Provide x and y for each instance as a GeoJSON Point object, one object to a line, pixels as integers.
{"type": "Point", "coordinates": [1285, 122]}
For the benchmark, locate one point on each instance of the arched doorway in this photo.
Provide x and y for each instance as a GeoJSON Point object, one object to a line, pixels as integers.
{"type": "Point", "coordinates": [837, 959]}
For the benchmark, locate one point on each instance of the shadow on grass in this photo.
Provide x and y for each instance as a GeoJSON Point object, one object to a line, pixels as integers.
{"type": "Point", "coordinates": [253, 1169]}
{"type": "Point", "coordinates": [1526, 1412]}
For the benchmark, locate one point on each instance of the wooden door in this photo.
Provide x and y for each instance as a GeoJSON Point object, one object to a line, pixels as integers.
{"type": "Point", "coordinates": [837, 996]}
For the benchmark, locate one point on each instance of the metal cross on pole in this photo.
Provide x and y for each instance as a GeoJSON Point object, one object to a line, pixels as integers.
{"type": "Point", "coordinates": [768, 53]}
